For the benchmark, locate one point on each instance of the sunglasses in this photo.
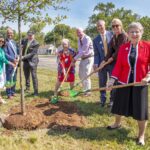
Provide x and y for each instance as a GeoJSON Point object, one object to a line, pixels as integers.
{"type": "Point", "coordinates": [1, 41]}
{"type": "Point", "coordinates": [115, 26]}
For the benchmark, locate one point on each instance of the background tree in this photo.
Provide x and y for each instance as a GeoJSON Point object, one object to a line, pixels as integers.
{"type": "Point", "coordinates": [146, 23]}
{"type": "Point", "coordinates": [108, 11]}
{"type": "Point", "coordinates": [59, 32]}
{"type": "Point", "coordinates": [37, 29]}
{"type": "Point", "coordinates": [3, 30]}
{"type": "Point", "coordinates": [28, 11]}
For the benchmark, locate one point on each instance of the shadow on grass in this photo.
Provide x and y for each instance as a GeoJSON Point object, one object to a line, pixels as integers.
{"type": "Point", "coordinates": [43, 94]}
{"type": "Point", "coordinates": [89, 108]}
{"type": "Point", "coordinates": [98, 133]}
{"type": "Point", "coordinates": [3, 93]}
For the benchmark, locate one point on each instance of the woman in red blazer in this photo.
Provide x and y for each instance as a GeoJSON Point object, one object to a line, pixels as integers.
{"type": "Point", "coordinates": [132, 66]}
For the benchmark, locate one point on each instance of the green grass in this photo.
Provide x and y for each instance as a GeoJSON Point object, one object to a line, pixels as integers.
{"type": "Point", "coordinates": [93, 136]}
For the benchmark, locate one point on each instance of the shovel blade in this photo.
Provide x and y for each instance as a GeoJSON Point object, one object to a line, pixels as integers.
{"type": "Point", "coordinates": [9, 84]}
{"type": "Point", "coordinates": [73, 93]}
{"type": "Point", "coordinates": [54, 99]}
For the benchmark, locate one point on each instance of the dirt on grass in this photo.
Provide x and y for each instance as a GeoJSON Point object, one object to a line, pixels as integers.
{"type": "Point", "coordinates": [40, 113]}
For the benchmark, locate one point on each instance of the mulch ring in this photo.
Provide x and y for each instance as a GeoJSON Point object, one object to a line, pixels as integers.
{"type": "Point", "coordinates": [41, 114]}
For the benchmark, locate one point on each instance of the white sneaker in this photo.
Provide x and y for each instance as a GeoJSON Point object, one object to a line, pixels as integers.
{"type": "Point", "coordinates": [141, 141]}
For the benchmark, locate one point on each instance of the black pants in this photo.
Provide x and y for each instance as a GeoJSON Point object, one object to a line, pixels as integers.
{"type": "Point", "coordinates": [33, 70]}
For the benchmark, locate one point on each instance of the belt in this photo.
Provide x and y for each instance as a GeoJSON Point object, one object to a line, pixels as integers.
{"type": "Point", "coordinates": [88, 56]}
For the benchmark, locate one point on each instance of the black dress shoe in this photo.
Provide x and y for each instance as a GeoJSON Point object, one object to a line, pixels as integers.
{"type": "Point", "coordinates": [35, 94]}
{"type": "Point", "coordinates": [113, 128]}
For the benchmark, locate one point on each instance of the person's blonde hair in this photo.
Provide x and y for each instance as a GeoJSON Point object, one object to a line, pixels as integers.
{"type": "Point", "coordinates": [118, 21]}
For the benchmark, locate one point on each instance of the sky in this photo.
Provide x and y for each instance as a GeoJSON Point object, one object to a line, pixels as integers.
{"type": "Point", "coordinates": [80, 11]}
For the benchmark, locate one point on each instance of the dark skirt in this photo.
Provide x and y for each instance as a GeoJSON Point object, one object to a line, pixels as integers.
{"type": "Point", "coordinates": [131, 102]}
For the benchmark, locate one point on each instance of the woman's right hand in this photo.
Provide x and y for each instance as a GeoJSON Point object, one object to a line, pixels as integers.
{"type": "Point", "coordinates": [102, 65]}
{"type": "Point", "coordinates": [110, 83]}
{"type": "Point", "coordinates": [146, 80]}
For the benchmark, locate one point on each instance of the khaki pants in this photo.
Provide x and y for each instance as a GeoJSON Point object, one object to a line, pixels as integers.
{"type": "Point", "coordinates": [85, 68]}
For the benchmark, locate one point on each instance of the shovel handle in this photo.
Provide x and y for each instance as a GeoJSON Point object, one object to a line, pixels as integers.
{"type": "Point", "coordinates": [99, 68]}
{"type": "Point", "coordinates": [15, 69]}
{"type": "Point", "coordinates": [65, 77]}
{"type": "Point", "coordinates": [118, 86]}
{"type": "Point", "coordinates": [113, 87]}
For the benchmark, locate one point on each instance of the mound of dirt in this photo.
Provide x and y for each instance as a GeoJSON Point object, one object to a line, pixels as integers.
{"type": "Point", "coordinates": [41, 114]}
{"type": "Point", "coordinates": [32, 119]}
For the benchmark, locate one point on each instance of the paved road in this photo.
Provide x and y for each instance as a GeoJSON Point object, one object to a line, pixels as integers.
{"type": "Point", "coordinates": [49, 62]}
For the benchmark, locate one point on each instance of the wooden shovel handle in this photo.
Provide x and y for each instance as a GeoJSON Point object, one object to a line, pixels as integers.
{"type": "Point", "coordinates": [99, 68]}
{"type": "Point", "coordinates": [118, 86]}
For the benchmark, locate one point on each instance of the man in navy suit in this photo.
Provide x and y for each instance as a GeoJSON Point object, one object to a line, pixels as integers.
{"type": "Point", "coordinates": [11, 52]}
{"type": "Point", "coordinates": [101, 46]}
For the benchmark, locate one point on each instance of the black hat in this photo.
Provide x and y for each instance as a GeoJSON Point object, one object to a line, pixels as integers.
{"type": "Point", "coordinates": [30, 33]}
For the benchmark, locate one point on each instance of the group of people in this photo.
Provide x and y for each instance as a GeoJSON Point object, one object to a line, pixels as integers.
{"type": "Point", "coordinates": [9, 59]}
{"type": "Point", "coordinates": [120, 58]}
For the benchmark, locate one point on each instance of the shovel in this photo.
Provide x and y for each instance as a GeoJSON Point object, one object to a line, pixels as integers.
{"type": "Point", "coordinates": [74, 94]}
{"type": "Point", "coordinates": [11, 83]}
{"type": "Point", "coordinates": [55, 98]}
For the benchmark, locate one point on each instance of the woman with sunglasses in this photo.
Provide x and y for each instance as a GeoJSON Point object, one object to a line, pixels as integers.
{"type": "Point", "coordinates": [119, 38]}
{"type": "Point", "coordinates": [133, 65]}
{"type": "Point", "coordinates": [3, 61]}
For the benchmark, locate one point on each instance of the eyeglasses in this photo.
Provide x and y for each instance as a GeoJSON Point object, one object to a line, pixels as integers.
{"type": "Point", "coordinates": [117, 25]}
{"type": "Point", "coordinates": [1, 41]}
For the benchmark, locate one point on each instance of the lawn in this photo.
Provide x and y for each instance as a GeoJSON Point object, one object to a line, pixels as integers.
{"type": "Point", "coordinates": [93, 136]}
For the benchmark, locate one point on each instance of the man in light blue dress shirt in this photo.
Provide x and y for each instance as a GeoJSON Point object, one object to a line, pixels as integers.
{"type": "Point", "coordinates": [85, 51]}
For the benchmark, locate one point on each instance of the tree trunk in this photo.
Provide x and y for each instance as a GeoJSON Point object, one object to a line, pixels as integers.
{"type": "Point", "coordinates": [20, 56]}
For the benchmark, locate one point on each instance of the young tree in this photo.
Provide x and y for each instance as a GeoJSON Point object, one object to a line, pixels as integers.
{"type": "Point", "coordinates": [28, 11]}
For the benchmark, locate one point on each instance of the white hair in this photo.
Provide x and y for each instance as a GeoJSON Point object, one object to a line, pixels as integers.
{"type": "Point", "coordinates": [10, 29]}
{"type": "Point", "coordinates": [137, 25]}
{"type": "Point", "coordinates": [80, 29]}
{"type": "Point", "coordinates": [101, 21]}
{"type": "Point", "coordinates": [65, 41]}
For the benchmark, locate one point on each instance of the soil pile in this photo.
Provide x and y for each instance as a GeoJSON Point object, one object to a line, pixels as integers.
{"type": "Point", "coordinates": [41, 114]}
